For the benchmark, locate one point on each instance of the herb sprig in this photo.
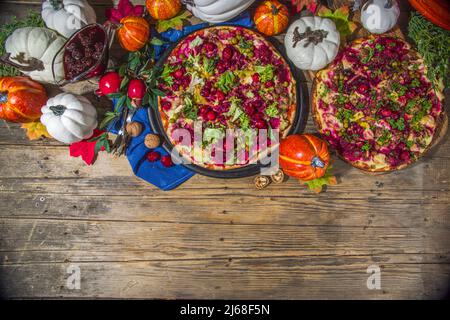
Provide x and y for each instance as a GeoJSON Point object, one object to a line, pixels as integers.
{"type": "Point", "coordinates": [433, 43]}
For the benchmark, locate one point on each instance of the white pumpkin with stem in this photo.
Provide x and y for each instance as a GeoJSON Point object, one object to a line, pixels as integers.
{"type": "Point", "coordinates": [67, 16]}
{"type": "Point", "coordinates": [69, 118]}
{"type": "Point", "coordinates": [31, 50]}
{"type": "Point", "coordinates": [216, 11]}
{"type": "Point", "coordinates": [380, 16]}
{"type": "Point", "coordinates": [312, 42]}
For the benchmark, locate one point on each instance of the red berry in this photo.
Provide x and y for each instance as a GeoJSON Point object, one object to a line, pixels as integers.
{"type": "Point", "coordinates": [386, 112]}
{"type": "Point", "coordinates": [167, 161]}
{"type": "Point", "coordinates": [153, 156]}
{"type": "Point", "coordinates": [220, 95]}
{"type": "Point", "coordinates": [405, 156]}
{"type": "Point", "coordinates": [260, 124]}
{"type": "Point", "coordinates": [166, 105]}
{"type": "Point", "coordinates": [178, 74]}
{"type": "Point", "coordinates": [211, 115]}
{"type": "Point", "coordinates": [269, 84]}
{"type": "Point", "coordinates": [362, 88]}
{"type": "Point", "coordinates": [255, 78]}
{"type": "Point", "coordinates": [227, 53]}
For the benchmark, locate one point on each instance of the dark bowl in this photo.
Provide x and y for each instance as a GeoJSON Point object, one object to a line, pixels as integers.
{"type": "Point", "coordinates": [251, 169]}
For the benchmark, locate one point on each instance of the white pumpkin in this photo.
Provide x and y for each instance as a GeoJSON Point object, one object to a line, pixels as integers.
{"type": "Point", "coordinates": [69, 118]}
{"type": "Point", "coordinates": [33, 50]}
{"type": "Point", "coordinates": [380, 16]}
{"type": "Point", "coordinates": [67, 16]}
{"type": "Point", "coordinates": [216, 11]}
{"type": "Point", "coordinates": [312, 42]}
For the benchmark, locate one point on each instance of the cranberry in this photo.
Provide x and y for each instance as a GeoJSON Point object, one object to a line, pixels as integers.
{"type": "Point", "coordinates": [405, 156]}
{"type": "Point", "coordinates": [166, 105]}
{"type": "Point", "coordinates": [362, 88]}
{"type": "Point", "coordinates": [178, 74]}
{"type": "Point", "coordinates": [220, 95]}
{"type": "Point", "coordinates": [386, 112]}
{"type": "Point", "coordinates": [255, 78]}
{"type": "Point", "coordinates": [210, 46]}
{"type": "Point", "coordinates": [167, 161]}
{"type": "Point", "coordinates": [227, 53]}
{"type": "Point", "coordinates": [269, 84]}
{"type": "Point", "coordinates": [260, 124]}
{"type": "Point", "coordinates": [153, 156]}
{"type": "Point", "coordinates": [211, 115]}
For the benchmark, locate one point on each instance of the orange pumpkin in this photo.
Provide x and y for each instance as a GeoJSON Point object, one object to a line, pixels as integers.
{"type": "Point", "coordinates": [21, 99]}
{"type": "Point", "coordinates": [163, 9]}
{"type": "Point", "coordinates": [133, 33]}
{"type": "Point", "coordinates": [304, 156]}
{"type": "Point", "coordinates": [437, 11]}
{"type": "Point", "coordinates": [271, 17]}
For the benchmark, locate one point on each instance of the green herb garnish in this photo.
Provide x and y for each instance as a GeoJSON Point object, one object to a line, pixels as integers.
{"type": "Point", "coordinates": [266, 72]}
{"type": "Point", "coordinates": [226, 81]}
{"type": "Point", "coordinates": [433, 43]}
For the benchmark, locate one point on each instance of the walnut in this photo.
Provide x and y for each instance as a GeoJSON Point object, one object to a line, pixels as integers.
{"type": "Point", "coordinates": [278, 177]}
{"type": "Point", "coordinates": [134, 128]}
{"type": "Point", "coordinates": [152, 141]}
{"type": "Point", "coordinates": [261, 182]}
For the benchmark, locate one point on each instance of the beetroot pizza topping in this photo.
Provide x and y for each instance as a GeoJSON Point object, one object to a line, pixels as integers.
{"type": "Point", "coordinates": [375, 105]}
{"type": "Point", "coordinates": [228, 78]}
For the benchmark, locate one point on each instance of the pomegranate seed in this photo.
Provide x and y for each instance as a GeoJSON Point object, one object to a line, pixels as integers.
{"type": "Point", "coordinates": [178, 74]}
{"type": "Point", "coordinates": [166, 105]}
{"type": "Point", "coordinates": [220, 95]}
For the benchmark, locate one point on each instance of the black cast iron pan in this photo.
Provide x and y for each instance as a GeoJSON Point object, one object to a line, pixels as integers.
{"type": "Point", "coordinates": [252, 169]}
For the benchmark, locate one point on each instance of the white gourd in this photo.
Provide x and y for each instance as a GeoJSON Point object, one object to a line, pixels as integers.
{"type": "Point", "coordinates": [67, 16]}
{"type": "Point", "coordinates": [380, 16]}
{"type": "Point", "coordinates": [33, 50]}
{"type": "Point", "coordinates": [216, 11]}
{"type": "Point", "coordinates": [69, 118]}
{"type": "Point", "coordinates": [312, 42]}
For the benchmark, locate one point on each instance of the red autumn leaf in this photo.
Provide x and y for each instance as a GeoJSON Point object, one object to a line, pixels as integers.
{"type": "Point", "coordinates": [311, 5]}
{"type": "Point", "coordinates": [86, 148]}
{"type": "Point", "coordinates": [124, 8]}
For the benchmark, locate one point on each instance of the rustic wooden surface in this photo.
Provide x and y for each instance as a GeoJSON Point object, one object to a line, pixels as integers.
{"type": "Point", "coordinates": [215, 238]}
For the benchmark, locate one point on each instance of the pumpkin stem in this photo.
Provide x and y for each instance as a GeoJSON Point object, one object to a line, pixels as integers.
{"type": "Point", "coordinates": [27, 65]}
{"type": "Point", "coordinates": [317, 163]}
{"type": "Point", "coordinates": [3, 96]}
{"type": "Point", "coordinates": [315, 36]}
{"type": "Point", "coordinates": [57, 4]}
{"type": "Point", "coordinates": [58, 110]}
{"type": "Point", "coordinates": [275, 10]}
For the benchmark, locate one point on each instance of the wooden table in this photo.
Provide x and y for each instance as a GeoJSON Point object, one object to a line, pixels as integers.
{"type": "Point", "coordinates": [215, 238]}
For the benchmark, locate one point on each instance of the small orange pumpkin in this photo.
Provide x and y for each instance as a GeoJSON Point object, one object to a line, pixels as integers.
{"type": "Point", "coordinates": [21, 99]}
{"type": "Point", "coordinates": [163, 9]}
{"type": "Point", "coordinates": [271, 17]}
{"type": "Point", "coordinates": [133, 33]}
{"type": "Point", "coordinates": [304, 156]}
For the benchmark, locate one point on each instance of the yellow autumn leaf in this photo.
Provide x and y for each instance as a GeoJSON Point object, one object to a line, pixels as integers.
{"type": "Point", "coordinates": [35, 130]}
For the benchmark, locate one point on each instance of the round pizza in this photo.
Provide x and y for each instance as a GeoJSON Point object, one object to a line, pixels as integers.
{"type": "Point", "coordinates": [375, 105]}
{"type": "Point", "coordinates": [228, 83]}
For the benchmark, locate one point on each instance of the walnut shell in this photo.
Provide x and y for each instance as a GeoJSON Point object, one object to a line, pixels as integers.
{"type": "Point", "coordinates": [278, 177]}
{"type": "Point", "coordinates": [134, 128]}
{"type": "Point", "coordinates": [261, 182]}
{"type": "Point", "coordinates": [152, 141]}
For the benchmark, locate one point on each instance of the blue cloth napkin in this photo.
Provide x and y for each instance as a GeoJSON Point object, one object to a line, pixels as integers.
{"type": "Point", "coordinates": [154, 172]}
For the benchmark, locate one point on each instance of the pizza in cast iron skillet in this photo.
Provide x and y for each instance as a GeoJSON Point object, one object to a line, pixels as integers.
{"type": "Point", "coordinates": [375, 106]}
{"type": "Point", "coordinates": [226, 78]}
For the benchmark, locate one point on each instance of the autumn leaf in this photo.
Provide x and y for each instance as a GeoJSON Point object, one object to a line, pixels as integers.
{"type": "Point", "coordinates": [311, 5]}
{"type": "Point", "coordinates": [174, 23]}
{"type": "Point", "coordinates": [341, 18]}
{"type": "Point", "coordinates": [317, 185]}
{"type": "Point", "coordinates": [35, 130]}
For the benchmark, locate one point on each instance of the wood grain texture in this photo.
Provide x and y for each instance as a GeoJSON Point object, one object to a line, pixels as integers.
{"type": "Point", "coordinates": [215, 238]}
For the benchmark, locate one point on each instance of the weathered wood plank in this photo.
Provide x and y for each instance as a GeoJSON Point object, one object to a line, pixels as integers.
{"type": "Point", "coordinates": [271, 278]}
{"type": "Point", "coordinates": [33, 241]}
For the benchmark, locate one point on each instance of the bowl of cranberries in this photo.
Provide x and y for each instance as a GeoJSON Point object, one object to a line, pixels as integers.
{"type": "Point", "coordinates": [86, 53]}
